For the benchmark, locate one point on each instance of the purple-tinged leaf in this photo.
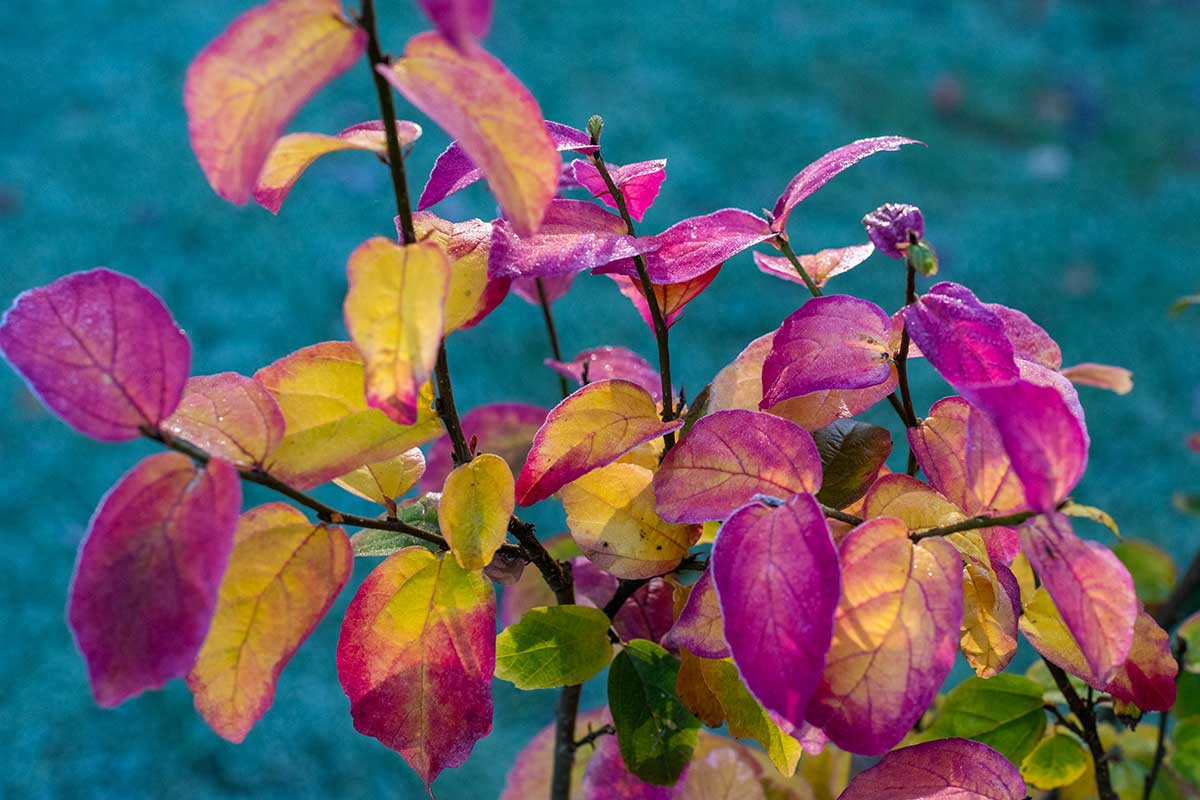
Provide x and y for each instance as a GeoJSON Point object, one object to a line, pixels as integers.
{"type": "Point", "coordinates": [825, 168]}
{"type": "Point", "coordinates": [1029, 340]}
{"type": "Point", "coordinates": [832, 342]}
{"type": "Point", "coordinates": [963, 339]}
{"type": "Point", "coordinates": [820, 266]}
{"type": "Point", "coordinates": [146, 583]}
{"type": "Point", "coordinates": [895, 636]}
{"type": "Point", "coordinates": [229, 416]}
{"type": "Point", "coordinates": [694, 246]}
{"type": "Point", "coordinates": [607, 777]}
{"type": "Point", "coordinates": [607, 362]}
{"type": "Point", "coordinates": [728, 458]}
{"type": "Point", "coordinates": [944, 769]}
{"type": "Point", "coordinates": [672, 297]}
{"type": "Point", "coordinates": [575, 236]}
{"type": "Point", "coordinates": [530, 774]}
{"type": "Point", "coordinates": [100, 350]}
{"type": "Point", "coordinates": [462, 22]}
{"type": "Point", "coordinates": [454, 171]}
{"type": "Point", "coordinates": [1090, 587]}
{"type": "Point", "coordinates": [1147, 678]}
{"type": "Point", "coordinates": [639, 183]}
{"type": "Point", "coordinates": [778, 621]}
{"type": "Point", "coordinates": [700, 627]}
{"type": "Point", "coordinates": [647, 614]}
{"type": "Point", "coordinates": [892, 226]}
{"type": "Point", "coordinates": [506, 429]}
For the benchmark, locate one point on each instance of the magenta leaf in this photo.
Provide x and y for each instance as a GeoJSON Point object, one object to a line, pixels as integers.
{"type": "Point", "coordinates": [607, 362]}
{"type": "Point", "coordinates": [825, 168]}
{"type": "Point", "coordinates": [963, 339]}
{"type": "Point", "coordinates": [1090, 587]}
{"type": "Point", "coordinates": [944, 769]}
{"type": "Point", "coordinates": [672, 297]}
{"type": "Point", "coordinates": [647, 614]}
{"type": "Point", "coordinates": [832, 342]}
{"type": "Point", "coordinates": [100, 350]}
{"type": "Point", "coordinates": [778, 621]}
{"type": "Point", "coordinates": [454, 171]}
{"type": "Point", "coordinates": [575, 235]}
{"type": "Point", "coordinates": [639, 183]}
{"type": "Point", "coordinates": [694, 246]}
{"type": "Point", "coordinates": [506, 429]}
{"type": "Point", "coordinates": [728, 458]}
{"type": "Point", "coordinates": [820, 266]}
{"type": "Point", "coordinates": [145, 586]}
{"type": "Point", "coordinates": [1029, 340]}
{"type": "Point", "coordinates": [462, 22]}
{"type": "Point", "coordinates": [700, 627]}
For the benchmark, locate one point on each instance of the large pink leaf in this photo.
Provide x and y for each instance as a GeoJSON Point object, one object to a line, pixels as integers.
{"type": "Point", "coordinates": [1029, 340]}
{"type": "Point", "coordinates": [825, 168]}
{"type": "Point", "coordinates": [462, 22]}
{"type": "Point", "coordinates": [506, 429]}
{"type": "Point", "coordinates": [1090, 587]}
{"type": "Point", "coordinates": [728, 458]}
{"type": "Point", "coordinates": [454, 170]}
{"type": "Point", "coordinates": [146, 583]}
{"type": "Point", "coordinates": [607, 362]}
{"type": "Point", "coordinates": [494, 118]}
{"type": "Point", "coordinates": [575, 236]}
{"type": "Point", "coordinates": [230, 416]}
{"type": "Point", "coordinates": [639, 183]}
{"type": "Point", "coordinates": [963, 339]}
{"type": "Point", "coordinates": [100, 350]}
{"type": "Point", "coordinates": [694, 246]}
{"type": "Point", "coordinates": [944, 769]}
{"type": "Point", "coordinates": [895, 636]}
{"type": "Point", "coordinates": [672, 297]}
{"type": "Point", "coordinates": [832, 342]}
{"type": "Point", "coordinates": [245, 87]}
{"type": "Point", "coordinates": [777, 578]}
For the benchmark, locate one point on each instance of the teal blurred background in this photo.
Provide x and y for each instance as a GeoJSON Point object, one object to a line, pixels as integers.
{"type": "Point", "coordinates": [1062, 177]}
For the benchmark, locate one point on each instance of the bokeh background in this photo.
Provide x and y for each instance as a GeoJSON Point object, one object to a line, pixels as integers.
{"type": "Point", "coordinates": [1062, 177]}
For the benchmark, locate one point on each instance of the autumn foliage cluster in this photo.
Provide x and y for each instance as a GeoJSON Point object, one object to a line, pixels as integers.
{"type": "Point", "coordinates": [745, 558]}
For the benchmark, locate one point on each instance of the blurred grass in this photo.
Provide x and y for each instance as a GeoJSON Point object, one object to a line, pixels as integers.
{"type": "Point", "coordinates": [1062, 177]}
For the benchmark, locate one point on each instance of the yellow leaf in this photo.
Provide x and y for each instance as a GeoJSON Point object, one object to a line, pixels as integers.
{"type": "Point", "coordinates": [472, 294]}
{"type": "Point", "coordinates": [477, 503]}
{"type": "Point", "coordinates": [911, 501]}
{"type": "Point", "coordinates": [384, 481]}
{"type": "Point", "coordinates": [746, 717]}
{"type": "Point", "coordinates": [1073, 509]}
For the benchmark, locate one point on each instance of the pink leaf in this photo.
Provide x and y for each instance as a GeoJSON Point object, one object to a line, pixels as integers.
{"type": "Point", "coordinates": [825, 168]}
{"type": "Point", "coordinates": [1101, 376]}
{"type": "Point", "coordinates": [146, 583]}
{"type": "Point", "coordinates": [1029, 340]}
{"type": "Point", "coordinates": [672, 297]}
{"type": "Point", "coordinates": [639, 183]}
{"type": "Point", "coordinates": [555, 288]}
{"type": "Point", "coordinates": [728, 458]}
{"type": "Point", "coordinates": [506, 429]}
{"type": "Point", "coordinates": [462, 22]}
{"type": "Point", "coordinates": [608, 362]}
{"type": "Point", "coordinates": [1147, 678]}
{"type": "Point", "coordinates": [245, 87]}
{"type": "Point", "coordinates": [778, 621]}
{"type": "Point", "coordinates": [832, 342]}
{"type": "Point", "coordinates": [607, 778]}
{"type": "Point", "coordinates": [229, 416]}
{"type": "Point", "coordinates": [963, 339]}
{"type": "Point", "coordinates": [944, 769]}
{"type": "Point", "coordinates": [647, 614]}
{"type": "Point", "coordinates": [1090, 587]}
{"type": "Point", "coordinates": [821, 266]}
{"type": "Point", "coordinates": [454, 170]}
{"type": "Point", "coordinates": [100, 350]}
{"type": "Point", "coordinates": [700, 627]}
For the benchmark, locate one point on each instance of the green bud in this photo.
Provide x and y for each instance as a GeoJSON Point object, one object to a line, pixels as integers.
{"type": "Point", "coordinates": [595, 125]}
{"type": "Point", "coordinates": [922, 257]}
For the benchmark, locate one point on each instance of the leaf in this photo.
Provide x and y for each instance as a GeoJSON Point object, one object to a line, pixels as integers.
{"type": "Point", "coordinates": [1147, 678]}
{"type": "Point", "coordinates": [283, 576]}
{"type": "Point", "coordinates": [909, 500]}
{"type": "Point", "coordinates": [963, 339]}
{"type": "Point", "coordinates": [895, 636]}
{"type": "Point", "coordinates": [824, 169]}
{"type": "Point", "coordinates": [607, 778]}
{"type": "Point", "coordinates": [821, 266]}
{"type": "Point", "coordinates": [672, 297]}
{"type": "Point", "coordinates": [1091, 589]}
{"type": "Point", "coordinates": [99, 350]}
{"type": "Point", "coordinates": [574, 236]}
{"type": "Point", "coordinates": [594, 426]}
{"type": "Point", "coordinates": [416, 657]}
{"type": "Point", "coordinates": [506, 429]}
{"type": "Point", "coordinates": [462, 22]}
{"type": "Point", "coordinates": [495, 120]}
{"type": "Point", "coordinates": [1186, 758]}
{"type": "Point", "coordinates": [647, 614]}
{"type": "Point", "coordinates": [245, 87]}
{"type": "Point", "coordinates": [1029, 340]}
{"type": "Point", "coordinates": [611, 516]}
{"type": "Point", "coordinates": [832, 342]}
{"type": "Point", "coordinates": [696, 245]}
{"type": "Point", "coordinates": [329, 429]}
{"type": "Point", "coordinates": [1057, 761]}
{"type": "Point", "coordinates": [1005, 712]}
{"type": "Point", "coordinates": [656, 734]}
{"type": "Point", "coordinates": [552, 647]}
{"type": "Point", "coordinates": [394, 312]}
{"type": "Point", "coordinates": [384, 481]}
{"type": "Point", "coordinates": [638, 183]}
{"type": "Point", "coordinates": [722, 774]}
{"type": "Point", "coordinates": [852, 454]}
{"type": "Point", "coordinates": [603, 363]}
{"type": "Point", "coordinates": [746, 717]}
{"type": "Point", "coordinates": [991, 608]}
{"type": "Point", "coordinates": [296, 152]}
{"type": "Point", "coordinates": [530, 774]}
{"type": "Point", "coordinates": [553, 288]}
{"type": "Point", "coordinates": [778, 621]}
{"type": "Point", "coordinates": [420, 512]}
{"type": "Point", "coordinates": [228, 416]}
{"type": "Point", "coordinates": [945, 769]}
{"type": "Point", "coordinates": [145, 585]}
{"type": "Point", "coordinates": [1150, 567]}
{"type": "Point", "coordinates": [700, 627]}
{"type": "Point", "coordinates": [472, 294]}
{"type": "Point", "coordinates": [1102, 376]}
{"type": "Point", "coordinates": [1188, 632]}
{"type": "Point", "coordinates": [695, 693]}
{"type": "Point", "coordinates": [730, 457]}
{"type": "Point", "coordinates": [477, 503]}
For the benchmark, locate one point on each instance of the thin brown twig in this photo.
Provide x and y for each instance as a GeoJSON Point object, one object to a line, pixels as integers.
{"type": "Point", "coordinates": [552, 333]}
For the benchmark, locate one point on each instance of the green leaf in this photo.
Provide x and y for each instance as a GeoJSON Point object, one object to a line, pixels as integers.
{"type": "Point", "coordinates": [420, 512]}
{"type": "Point", "coordinates": [1152, 570]}
{"type": "Point", "coordinates": [697, 409]}
{"type": "Point", "coordinates": [1189, 633]}
{"type": "Point", "coordinates": [1057, 761]}
{"type": "Point", "coordinates": [1188, 503]}
{"type": "Point", "coordinates": [746, 717]}
{"type": "Point", "coordinates": [1005, 712]}
{"type": "Point", "coordinates": [1186, 758]}
{"type": "Point", "coordinates": [555, 646]}
{"type": "Point", "coordinates": [1184, 302]}
{"type": "Point", "coordinates": [851, 454]}
{"type": "Point", "coordinates": [655, 732]}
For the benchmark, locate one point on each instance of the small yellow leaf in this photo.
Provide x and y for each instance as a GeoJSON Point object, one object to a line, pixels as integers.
{"type": "Point", "coordinates": [1073, 509]}
{"type": "Point", "coordinates": [384, 481]}
{"type": "Point", "coordinates": [477, 503]}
